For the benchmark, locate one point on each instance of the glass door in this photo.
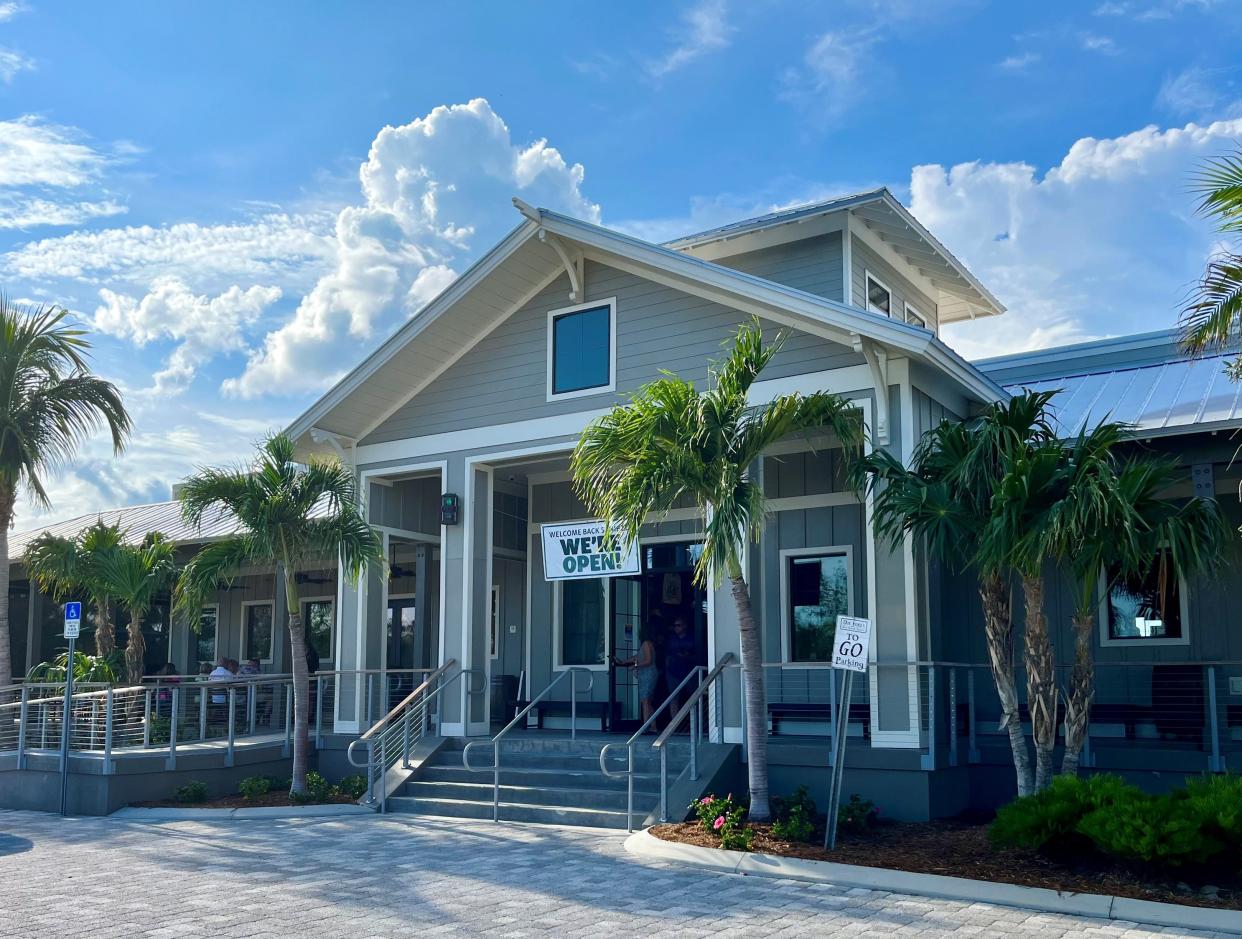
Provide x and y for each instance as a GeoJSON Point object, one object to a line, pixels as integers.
{"type": "Point", "coordinates": [627, 596]}
{"type": "Point", "coordinates": [402, 648]}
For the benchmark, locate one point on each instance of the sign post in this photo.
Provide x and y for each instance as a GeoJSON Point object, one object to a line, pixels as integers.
{"type": "Point", "coordinates": [850, 650]}
{"type": "Point", "coordinates": [73, 625]}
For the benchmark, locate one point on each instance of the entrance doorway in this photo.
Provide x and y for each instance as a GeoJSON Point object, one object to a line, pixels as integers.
{"type": "Point", "coordinates": [648, 605]}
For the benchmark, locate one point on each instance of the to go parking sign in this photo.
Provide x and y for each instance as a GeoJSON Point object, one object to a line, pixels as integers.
{"type": "Point", "coordinates": [852, 642]}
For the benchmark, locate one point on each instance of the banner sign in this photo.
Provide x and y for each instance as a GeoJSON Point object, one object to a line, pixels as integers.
{"type": "Point", "coordinates": [577, 550]}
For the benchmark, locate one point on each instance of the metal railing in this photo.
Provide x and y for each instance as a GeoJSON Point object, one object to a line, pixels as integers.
{"type": "Point", "coordinates": [393, 737]}
{"type": "Point", "coordinates": [521, 716]}
{"type": "Point", "coordinates": [630, 744]}
{"type": "Point", "coordinates": [692, 711]}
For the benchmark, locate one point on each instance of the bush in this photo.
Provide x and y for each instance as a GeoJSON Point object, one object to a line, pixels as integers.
{"type": "Point", "coordinates": [254, 786]}
{"type": "Point", "coordinates": [317, 789]}
{"type": "Point", "coordinates": [192, 792]}
{"type": "Point", "coordinates": [857, 815]}
{"type": "Point", "coordinates": [353, 787]}
{"type": "Point", "coordinates": [1048, 820]}
{"type": "Point", "coordinates": [795, 817]}
{"type": "Point", "coordinates": [725, 819]}
{"type": "Point", "coordinates": [1166, 830]}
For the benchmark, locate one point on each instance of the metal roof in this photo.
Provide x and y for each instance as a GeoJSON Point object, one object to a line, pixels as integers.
{"type": "Point", "coordinates": [1142, 380]}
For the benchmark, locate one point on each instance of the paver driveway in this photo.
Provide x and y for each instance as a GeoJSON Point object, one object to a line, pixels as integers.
{"type": "Point", "coordinates": [407, 876]}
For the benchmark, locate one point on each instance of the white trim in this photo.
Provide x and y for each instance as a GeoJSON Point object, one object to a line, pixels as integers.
{"type": "Point", "coordinates": [302, 603]}
{"type": "Point", "coordinates": [912, 311]}
{"type": "Point", "coordinates": [884, 250]}
{"type": "Point", "coordinates": [868, 276]}
{"type": "Point", "coordinates": [245, 622]}
{"type": "Point", "coordinates": [821, 501]}
{"type": "Point", "coordinates": [1109, 642]}
{"type": "Point", "coordinates": [558, 604]}
{"type": "Point", "coordinates": [215, 644]}
{"type": "Point", "coordinates": [553, 315]}
{"type": "Point", "coordinates": [847, 260]}
{"type": "Point", "coordinates": [826, 551]}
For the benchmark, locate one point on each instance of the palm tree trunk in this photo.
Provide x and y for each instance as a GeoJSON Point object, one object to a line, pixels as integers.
{"type": "Point", "coordinates": [8, 496]}
{"type": "Point", "coordinates": [756, 715]}
{"type": "Point", "coordinates": [301, 685]}
{"type": "Point", "coordinates": [136, 649]}
{"type": "Point", "coordinates": [998, 629]}
{"type": "Point", "coordinates": [1041, 687]}
{"type": "Point", "coordinates": [1081, 694]}
{"type": "Point", "coordinates": [105, 638]}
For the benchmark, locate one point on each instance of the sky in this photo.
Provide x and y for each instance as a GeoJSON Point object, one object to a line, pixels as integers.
{"type": "Point", "coordinates": [241, 200]}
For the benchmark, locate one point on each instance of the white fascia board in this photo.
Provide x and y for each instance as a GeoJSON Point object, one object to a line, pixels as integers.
{"type": "Point", "coordinates": [411, 328]}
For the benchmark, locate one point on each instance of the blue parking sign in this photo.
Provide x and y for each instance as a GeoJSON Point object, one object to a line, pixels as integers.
{"type": "Point", "coordinates": [73, 610]}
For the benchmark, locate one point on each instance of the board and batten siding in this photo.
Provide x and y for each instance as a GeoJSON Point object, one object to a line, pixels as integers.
{"type": "Point", "coordinates": [865, 259]}
{"type": "Point", "coordinates": [410, 504]}
{"type": "Point", "coordinates": [503, 379]}
{"type": "Point", "coordinates": [813, 265]}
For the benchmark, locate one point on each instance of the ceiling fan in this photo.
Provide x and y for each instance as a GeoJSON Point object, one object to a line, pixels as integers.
{"type": "Point", "coordinates": [308, 579]}
{"type": "Point", "coordinates": [396, 571]}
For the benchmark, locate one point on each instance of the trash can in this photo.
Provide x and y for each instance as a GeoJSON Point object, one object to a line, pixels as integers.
{"type": "Point", "coordinates": [504, 697]}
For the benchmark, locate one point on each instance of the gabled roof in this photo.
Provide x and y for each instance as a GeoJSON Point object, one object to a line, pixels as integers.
{"type": "Point", "coordinates": [523, 264]}
{"type": "Point", "coordinates": [137, 520]}
{"type": "Point", "coordinates": [1143, 380]}
{"type": "Point", "coordinates": [961, 295]}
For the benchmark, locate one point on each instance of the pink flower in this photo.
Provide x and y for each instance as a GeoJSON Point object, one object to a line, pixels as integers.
{"type": "Point", "coordinates": [719, 823]}
{"type": "Point", "coordinates": [706, 800]}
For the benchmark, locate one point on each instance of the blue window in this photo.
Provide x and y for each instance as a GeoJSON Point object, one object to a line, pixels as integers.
{"type": "Point", "coordinates": [581, 350]}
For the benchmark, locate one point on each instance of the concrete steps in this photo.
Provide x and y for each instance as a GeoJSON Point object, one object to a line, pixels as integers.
{"type": "Point", "coordinates": [543, 779]}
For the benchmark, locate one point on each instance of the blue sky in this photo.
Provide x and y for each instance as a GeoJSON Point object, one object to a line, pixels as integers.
{"type": "Point", "coordinates": [212, 186]}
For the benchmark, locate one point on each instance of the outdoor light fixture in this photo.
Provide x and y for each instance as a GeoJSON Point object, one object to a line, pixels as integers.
{"type": "Point", "coordinates": [450, 508]}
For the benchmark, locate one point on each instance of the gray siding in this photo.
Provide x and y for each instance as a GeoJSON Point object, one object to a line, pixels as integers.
{"type": "Point", "coordinates": [411, 504]}
{"type": "Point", "coordinates": [813, 265]}
{"type": "Point", "coordinates": [504, 377]}
{"type": "Point", "coordinates": [928, 414]}
{"type": "Point", "coordinates": [864, 259]}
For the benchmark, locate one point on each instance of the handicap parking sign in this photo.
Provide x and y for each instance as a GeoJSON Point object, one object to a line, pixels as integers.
{"type": "Point", "coordinates": [73, 619]}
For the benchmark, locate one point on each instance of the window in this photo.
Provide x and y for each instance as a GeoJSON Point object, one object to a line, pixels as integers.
{"type": "Point", "coordinates": [582, 350]}
{"type": "Point", "coordinates": [914, 317]}
{"type": "Point", "coordinates": [879, 297]}
{"type": "Point", "coordinates": [205, 641]}
{"type": "Point", "coordinates": [583, 622]}
{"type": "Point", "coordinates": [1145, 609]}
{"type": "Point", "coordinates": [257, 631]}
{"type": "Point", "coordinates": [817, 588]}
{"type": "Point", "coordinates": [319, 619]}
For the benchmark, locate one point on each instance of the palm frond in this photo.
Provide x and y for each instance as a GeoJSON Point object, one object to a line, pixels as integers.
{"type": "Point", "coordinates": [1212, 317]}
{"type": "Point", "coordinates": [1219, 185]}
{"type": "Point", "coordinates": [216, 564]}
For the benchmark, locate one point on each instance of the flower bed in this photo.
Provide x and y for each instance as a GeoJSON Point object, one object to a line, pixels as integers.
{"type": "Point", "coordinates": [260, 791]}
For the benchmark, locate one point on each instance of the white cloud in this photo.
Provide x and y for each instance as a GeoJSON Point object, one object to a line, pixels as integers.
{"type": "Point", "coordinates": [9, 10]}
{"type": "Point", "coordinates": [1101, 44]}
{"type": "Point", "coordinates": [1104, 243]}
{"type": "Point", "coordinates": [11, 63]}
{"type": "Point", "coordinates": [202, 326]}
{"type": "Point", "coordinates": [1197, 91]}
{"type": "Point", "coordinates": [827, 80]}
{"type": "Point", "coordinates": [704, 29]}
{"type": "Point", "coordinates": [1152, 10]}
{"type": "Point", "coordinates": [36, 153]}
{"type": "Point", "coordinates": [435, 190]}
{"type": "Point", "coordinates": [1019, 61]}
{"type": "Point", "coordinates": [18, 211]}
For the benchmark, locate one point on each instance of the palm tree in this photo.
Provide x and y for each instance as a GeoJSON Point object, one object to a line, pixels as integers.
{"type": "Point", "coordinates": [1212, 318]}
{"type": "Point", "coordinates": [63, 566]}
{"type": "Point", "coordinates": [50, 403]}
{"type": "Point", "coordinates": [289, 515]}
{"type": "Point", "coordinates": [672, 441]}
{"type": "Point", "coordinates": [136, 575]}
{"type": "Point", "coordinates": [1137, 530]}
{"type": "Point", "coordinates": [944, 498]}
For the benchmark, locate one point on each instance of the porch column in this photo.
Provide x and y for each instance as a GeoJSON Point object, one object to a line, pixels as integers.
{"type": "Point", "coordinates": [348, 652]}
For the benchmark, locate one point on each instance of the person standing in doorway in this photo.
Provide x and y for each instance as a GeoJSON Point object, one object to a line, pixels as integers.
{"type": "Point", "coordinates": [680, 656]}
{"type": "Point", "coordinates": [645, 673]}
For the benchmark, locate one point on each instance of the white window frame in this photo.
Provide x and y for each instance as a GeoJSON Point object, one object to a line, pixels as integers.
{"type": "Point", "coordinates": [611, 303]}
{"type": "Point", "coordinates": [1110, 642]}
{"type": "Point", "coordinates": [495, 622]}
{"type": "Point", "coordinates": [245, 653]}
{"type": "Point", "coordinates": [215, 645]}
{"type": "Point", "coordinates": [304, 601]}
{"type": "Point", "coordinates": [892, 298]}
{"type": "Point", "coordinates": [918, 318]}
{"type": "Point", "coordinates": [558, 610]}
{"type": "Point", "coordinates": [787, 626]}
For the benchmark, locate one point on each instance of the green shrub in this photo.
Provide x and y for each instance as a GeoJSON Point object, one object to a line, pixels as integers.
{"type": "Point", "coordinates": [353, 787]}
{"type": "Point", "coordinates": [254, 786]}
{"type": "Point", "coordinates": [725, 819]}
{"type": "Point", "coordinates": [1049, 820]}
{"type": "Point", "coordinates": [192, 792]}
{"type": "Point", "coordinates": [857, 815]}
{"type": "Point", "coordinates": [1166, 830]}
{"type": "Point", "coordinates": [1218, 802]}
{"type": "Point", "coordinates": [161, 728]}
{"type": "Point", "coordinates": [795, 816]}
{"type": "Point", "coordinates": [317, 789]}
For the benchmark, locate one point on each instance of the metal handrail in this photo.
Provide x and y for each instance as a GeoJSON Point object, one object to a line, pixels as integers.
{"type": "Point", "coordinates": [401, 718]}
{"type": "Point", "coordinates": [629, 746]}
{"type": "Point", "coordinates": [691, 709]}
{"type": "Point", "coordinates": [520, 716]}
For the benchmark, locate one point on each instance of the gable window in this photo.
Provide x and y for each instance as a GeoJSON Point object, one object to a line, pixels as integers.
{"type": "Point", "coordinates": [257, 631]}
{"type": "Point", "coordinates": [1145, 609]}
{"type": "Point", "coordinates": [879, 297]}
{"type": "Point", "coordinates": [319, 619]}
{"type": "Point", "coordinates": [915, 318]}
{"type": "Point", "coordinates": [582, 351]}
{"type": "Point", "coordinates": [817, 587]}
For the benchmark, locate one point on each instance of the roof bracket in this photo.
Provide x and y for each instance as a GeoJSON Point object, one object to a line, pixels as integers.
{"type": "Point", "coordinates": [877, 361]}
{"type": "Point", "coordinates": [574, 264]}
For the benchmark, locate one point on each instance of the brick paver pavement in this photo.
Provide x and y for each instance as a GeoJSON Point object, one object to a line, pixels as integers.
{"type": "Point", "coordinates": [406, 876]}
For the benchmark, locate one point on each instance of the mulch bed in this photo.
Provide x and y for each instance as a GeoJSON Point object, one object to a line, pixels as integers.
{"type": "Point", "coordinates": [961, 849]}
{"type": "Point", "coordinates": [235, 801]}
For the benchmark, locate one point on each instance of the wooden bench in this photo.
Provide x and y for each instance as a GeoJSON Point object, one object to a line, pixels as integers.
{"type": "Point", "coordinates": [779, 711]}
{"type": "Point", "coordinates": [594, 710]}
